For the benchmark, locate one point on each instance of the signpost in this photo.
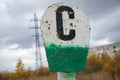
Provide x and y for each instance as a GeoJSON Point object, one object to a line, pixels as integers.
{"type": "Point", "coordinates": [66, 31]}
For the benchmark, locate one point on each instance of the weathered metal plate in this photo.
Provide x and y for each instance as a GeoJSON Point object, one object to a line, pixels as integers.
{"type": "Point", "coordinates": [66, 31]}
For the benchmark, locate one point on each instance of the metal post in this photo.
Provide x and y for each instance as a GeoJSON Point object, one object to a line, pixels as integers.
{"type": "Point", "coordinates": [37, 40]}
{"type": "Point", "coordinates": [66, 76]}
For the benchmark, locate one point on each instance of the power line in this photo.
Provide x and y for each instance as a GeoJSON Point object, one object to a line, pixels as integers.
{"type": "Point", "coordinates": [37, 41]}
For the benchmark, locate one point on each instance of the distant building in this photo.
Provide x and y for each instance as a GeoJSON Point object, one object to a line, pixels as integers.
{"type": "Point", "coordinates": [109, 49]}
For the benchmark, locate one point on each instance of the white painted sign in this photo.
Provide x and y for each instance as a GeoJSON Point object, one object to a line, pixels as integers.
{"type": "Point", "coordinates": [66, 31]}
{"type": "Point", "coordinates": [65, 24]}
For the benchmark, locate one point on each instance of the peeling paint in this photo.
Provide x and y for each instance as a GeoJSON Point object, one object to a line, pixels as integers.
{"type": "Point", "coordinates": [67, 27]}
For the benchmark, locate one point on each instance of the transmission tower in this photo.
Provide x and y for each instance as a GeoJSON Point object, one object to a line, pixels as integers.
{"type": "Point", "coordinates": [37, 41]}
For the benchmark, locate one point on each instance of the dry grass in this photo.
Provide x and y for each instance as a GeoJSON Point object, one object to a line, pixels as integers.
{"type": "Point", "coordinates": [51, 76]}
{"type": "Point", "coordinates": [94, 76]}
{"type": "Point", "coordinates": [44, 77]}
{"type": "Point", "coordinates": [81, 76]}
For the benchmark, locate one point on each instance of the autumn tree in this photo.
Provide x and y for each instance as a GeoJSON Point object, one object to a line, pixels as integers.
{"type": "Point", "coordinates": [107, 60]}
{"type": "Point", "coordinates": [19, 68]}
{"type": "Point", "coordinates": [43, 71]}
{"type": "Point", "coordinates": [94, 63]}
{"type": "Point", "coordinates": [29, 72]}
{"type": "Point", "coordinates": [115, 66]}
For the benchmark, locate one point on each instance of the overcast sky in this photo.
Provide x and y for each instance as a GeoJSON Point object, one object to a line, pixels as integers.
{"type": "Point", "coordinates": [16, 41]}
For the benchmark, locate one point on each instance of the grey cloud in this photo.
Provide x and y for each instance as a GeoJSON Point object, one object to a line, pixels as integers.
{"type": "Point", "coordinates": [114, 36]}
{"type": "Point", "coordinates": [16, 31]}
{"type": "Point", "coordinates": [107, 26]}
{"type": "Point", "coordinates": [18, 8]}
{"type": "Point", "coordinates": [96, 8]}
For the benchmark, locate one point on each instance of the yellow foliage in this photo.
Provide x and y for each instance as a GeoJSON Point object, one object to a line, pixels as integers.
{"type": "Point", "coordinates": [94, 63]}
{"type": "Point", "coordinates": [20, 68]}
{"type": "Point", "coordinates": [106, 66]}
{"type": "Point", "coordinates": [43, 71]}
{"type": "Point", "coordinates": [106, 63]}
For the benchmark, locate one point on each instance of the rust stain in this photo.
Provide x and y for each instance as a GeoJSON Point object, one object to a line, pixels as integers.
{"type": "Point", "coordinates": [71, 24]}
{"type": "Point", "coordinates": [89, 28]}
{"type": "Point", "coordinates": [48, 27]}
{"type": "Point", "coordinates": [47, 22]}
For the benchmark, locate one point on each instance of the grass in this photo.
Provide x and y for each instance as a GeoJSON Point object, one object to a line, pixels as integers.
{"type": "Point", "coordinates": [79, 76]}
{"type": "Point", "coordinates": [94, 76]}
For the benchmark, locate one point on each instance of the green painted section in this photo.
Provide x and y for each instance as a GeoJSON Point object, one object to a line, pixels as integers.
{"type": "Point", "coordinates": [66, 58]}
{"type": "Point", "coordinates": [67, 76]}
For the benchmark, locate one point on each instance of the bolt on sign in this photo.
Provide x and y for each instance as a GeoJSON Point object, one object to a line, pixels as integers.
{"type": "Point", "coordinates": [66, 31]}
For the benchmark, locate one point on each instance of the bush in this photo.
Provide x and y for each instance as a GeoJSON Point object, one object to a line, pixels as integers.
{"type": "Point", "coordinates": [94, 63]}
{"type": "Point", "coordinates": [43, 71]}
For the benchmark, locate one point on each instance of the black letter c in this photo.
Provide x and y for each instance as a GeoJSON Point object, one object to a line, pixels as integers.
{"type": "Point", "coordinates": [59, 23]}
